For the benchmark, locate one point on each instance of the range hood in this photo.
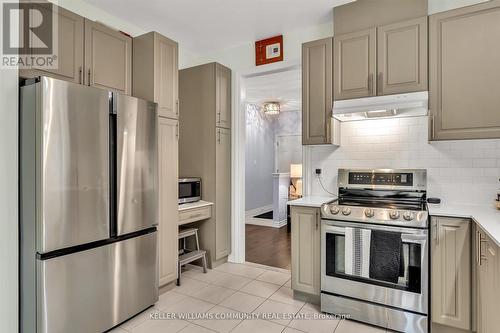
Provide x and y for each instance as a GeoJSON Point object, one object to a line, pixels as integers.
{"type": "Point", "coordinates": [389, 106]}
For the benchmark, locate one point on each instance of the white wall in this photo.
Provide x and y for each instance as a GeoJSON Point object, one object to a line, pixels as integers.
{"type": "Point", "coordinates": [436, 6]}
{"type": "Point", "coordinates": [458, 171]}
{"type": "Point", "coordinates": [259, 158]}
{"type": "Point", "coordinates": [241, 58]}
{"type": "Point", "coordinates": [8, 201]}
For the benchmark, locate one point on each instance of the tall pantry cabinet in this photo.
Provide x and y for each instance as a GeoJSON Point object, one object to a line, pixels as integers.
{"type": "Point", "coordinates": [205, 149]}
{"type": "Point", "coordinates": [155, 73]}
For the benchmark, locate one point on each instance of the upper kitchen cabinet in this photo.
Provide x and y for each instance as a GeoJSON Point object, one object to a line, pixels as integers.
{"type": "Point", "coordinates": [318, 126]}
{"type": "Point", "coordinates": [156, 72]}
{"type": "Point", "coordinates": [223, 96]}
{"type": "Point", "coordinates": [70, 34]}
{"type": "Point", "coordinates": [108, 58]}
{"type": "Point", "coordinates": [464, 71]}
{"type": "Point", "coordinates": [354, 69]}
{"type": "Point", "coordinates": [402, 57]}
{"type": "Point", "coordinates": [389, 59]}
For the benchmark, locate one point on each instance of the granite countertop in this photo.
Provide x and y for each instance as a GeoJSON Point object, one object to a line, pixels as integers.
{"type": "Point", "coordinates": [311, 201]}
{"type": "Point", "coordinates": [486, 216]}
{"type": "Point", "coordinates": [197, 204]}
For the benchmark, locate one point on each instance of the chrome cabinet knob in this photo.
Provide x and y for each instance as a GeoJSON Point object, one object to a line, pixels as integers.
{"type": "Point", "coordinates": [334, 210]}
{"type": "Point", "coordinates": [369, 212]}
{"type": "Point", "coordinates": [408, 216]}
{"type": "Point", "coordinates": [394, 214]}
{"type": "Point", "coordinates": [346, 211]}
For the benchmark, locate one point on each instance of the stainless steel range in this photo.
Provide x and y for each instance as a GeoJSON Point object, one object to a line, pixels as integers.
{"type": "Point", "coordinates": [375, 249]}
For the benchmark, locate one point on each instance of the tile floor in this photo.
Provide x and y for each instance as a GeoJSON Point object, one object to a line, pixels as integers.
{"type": "Point", "coordinates": [229, 291]}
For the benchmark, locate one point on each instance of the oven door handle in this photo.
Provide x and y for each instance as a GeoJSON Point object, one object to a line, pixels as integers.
{"type": "Point", "coordinates": [420, 238]}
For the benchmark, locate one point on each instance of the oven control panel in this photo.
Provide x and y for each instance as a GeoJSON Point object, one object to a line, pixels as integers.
{"type": "Point", "coordinates": [374, 178]}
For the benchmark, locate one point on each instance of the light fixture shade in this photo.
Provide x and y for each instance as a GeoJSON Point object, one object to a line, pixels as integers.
{"type": "Point", "coordinates": [295, 170]}
{"type": "Point", "coordinates": [272, 108]}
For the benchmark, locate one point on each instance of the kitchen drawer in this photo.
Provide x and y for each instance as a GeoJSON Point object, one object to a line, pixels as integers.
{"type": "Point", "coordinates": [195, 214]}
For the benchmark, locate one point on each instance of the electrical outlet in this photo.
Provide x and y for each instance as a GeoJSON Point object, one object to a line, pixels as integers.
{"type": "Point", "coordinates": [318, 172]}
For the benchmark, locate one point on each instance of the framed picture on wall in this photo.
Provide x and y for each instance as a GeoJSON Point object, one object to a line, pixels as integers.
{"type": "Point", "coordinates": [269, 50]}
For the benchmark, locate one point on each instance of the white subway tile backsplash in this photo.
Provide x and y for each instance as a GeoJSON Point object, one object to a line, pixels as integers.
{"type": "Point", "coordinates": [458, 171]}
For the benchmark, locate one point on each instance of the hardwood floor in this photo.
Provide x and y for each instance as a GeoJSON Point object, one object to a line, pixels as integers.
{"type": "Point", "coordinates": [268, 246]}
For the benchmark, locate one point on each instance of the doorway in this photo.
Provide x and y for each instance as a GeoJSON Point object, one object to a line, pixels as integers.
{"type": "Point", "coordinates": [273, 154]}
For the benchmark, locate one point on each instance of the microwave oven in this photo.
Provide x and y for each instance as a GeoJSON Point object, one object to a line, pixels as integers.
{"type": "Point", "coordinates": [189, 190]}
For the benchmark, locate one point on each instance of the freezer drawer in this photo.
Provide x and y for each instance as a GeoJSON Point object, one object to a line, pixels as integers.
{"type": "Point", "coordinates": [136, 170]}
{"type": "Point", "coordinates": [94, 290]}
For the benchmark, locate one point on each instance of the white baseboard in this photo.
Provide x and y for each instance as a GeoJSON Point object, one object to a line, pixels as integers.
{"type": "Point", "coordinates": [279, 224]}
{"type": "Point", "coordinates": [264, 222]}
{"type": "Point", "coordinates": [259, 210]}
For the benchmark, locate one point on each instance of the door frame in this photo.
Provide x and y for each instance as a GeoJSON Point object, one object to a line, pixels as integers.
{"type": "Point", "coordinates": [238, 138]}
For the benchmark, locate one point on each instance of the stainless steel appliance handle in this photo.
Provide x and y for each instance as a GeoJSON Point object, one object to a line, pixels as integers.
{"type": "Point", "coordinates": [342, 224]}
{"type": "Point", "coordinates": [407, 236]}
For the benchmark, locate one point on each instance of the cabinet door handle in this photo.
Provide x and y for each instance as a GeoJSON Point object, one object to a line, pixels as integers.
{"type": "Point", "coordinates": [177, 107]}
{"type": "Point", "coordinates": [177, 131]}
{"type": "Point", "coordinates": [380, 83]}
{"type": "Point", "coordinates": [436, 233]}
{"type": "Point", "coordinates": [317, 220]}
{"type": "Point", "coordinates": [481, 255]}
{"type": "Point", "coordinates": [432, 127]}
{"type": "Point", "coordinates": [477, 247]}
{"type": "Point", "coordinates": [370, 84]}
{"type": "Point", "coordinates": [80, 70]}
{"type": "Point", "coordinates": [218, 135]}
{"type": "Point", "coordinates": [89, 77]}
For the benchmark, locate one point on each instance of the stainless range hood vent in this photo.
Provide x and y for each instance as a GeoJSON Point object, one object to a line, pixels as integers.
{"type": "Point", "coordinates": [390, 106]}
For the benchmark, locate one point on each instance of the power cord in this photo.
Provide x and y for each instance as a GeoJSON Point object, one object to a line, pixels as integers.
{"type": "Point", "coordinates": [323, 187]}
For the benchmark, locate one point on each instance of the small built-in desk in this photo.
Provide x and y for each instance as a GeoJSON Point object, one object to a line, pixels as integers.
{"type": "Point", "coordinates": [195, 211]}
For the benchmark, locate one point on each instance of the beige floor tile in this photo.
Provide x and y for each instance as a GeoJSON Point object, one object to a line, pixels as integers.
{"type": "Point", "coordinates": [222, 325]}
{"type": "Point", "coordinates": [242, 302]}
{"type": "Point", "coordinates": [160, 326]}
{"type": "Point", "coordinates": [293, 330]}
{"type": "Point", "coordinates": [260, 288]}
{"type": "Point", "coordinates": [288, 283]}
{"type": "Point", "coordinates": [189, 286]}
{"type": "Point", "coordinates": [213, 294]}
{"type": "Point", "coordinates": [279, 313]}
{"type": "Point", "coordinates": [192, 328]}
{"type": "Point", "coordinates": [349, 326]}
{"type": "Point", "coordinates": [258, 326]}
{"type": "Point", "coordinates": [189, 305]}
{"type": "Point", "coordinates": [210, 277]}
{"type": "Point", "coordinates": [239, 269]}
{"type": "Point", "coordinates": [232, 281]}
{"type": "Point", "coordinates": [285, 295]}
{"type": "Point", "coordinates": [274, 277]}
{"type": "Point", "coordinates": [311, 323]}
{"type": "Point", "coordinates": [141, 317]}
{"type": "Point", "coordinates": [167, 299]}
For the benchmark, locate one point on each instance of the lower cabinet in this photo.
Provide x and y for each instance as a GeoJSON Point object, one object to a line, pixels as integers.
{"type": "Point", "coordinates": [168, 198]}
{"type": "Point", "coordinates": [306, 249]}
{"type": "Point", "coordinates": [451, 269]}
{"type": "Point", "coordinates": [487, 257]}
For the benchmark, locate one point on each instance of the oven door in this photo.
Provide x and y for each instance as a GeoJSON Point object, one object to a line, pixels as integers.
{"type": "Point", "coordinates": [345, 264]}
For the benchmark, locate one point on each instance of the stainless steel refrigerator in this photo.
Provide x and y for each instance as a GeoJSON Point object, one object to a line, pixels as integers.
{"type": "Point", "coordinates": [88, 211]}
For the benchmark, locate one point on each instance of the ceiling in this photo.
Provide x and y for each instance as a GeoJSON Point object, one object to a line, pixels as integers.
{"type": "Point", "coordinates": [205, 26]}
{"type": "Point", "coordinates": [284, 87]}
